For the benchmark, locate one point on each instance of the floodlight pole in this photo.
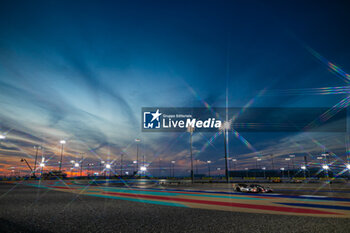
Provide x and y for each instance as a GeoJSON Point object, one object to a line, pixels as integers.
{"type": "Point", "coordinates": [137, 157]}
{"type": "Point", "coordinates": [121, 164]}
{"type": "Point", "coordinates": [226, 167]}
{"type": "Point", "coordinates": [81, 164]}
{"type": "Point", "coordinates": [61, 156]}
{"type": "Point", "coordinates": [190, 130]}
{"type": "Point", "coordinates": [209, 170]}
{"type": "Point", "coordinates": [36, 158]}
{"type": "Point", "coordinates": [137, 154]}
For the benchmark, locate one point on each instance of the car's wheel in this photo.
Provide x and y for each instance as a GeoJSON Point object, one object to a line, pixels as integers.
{"type": "Point", "coordinates": [238, 189]}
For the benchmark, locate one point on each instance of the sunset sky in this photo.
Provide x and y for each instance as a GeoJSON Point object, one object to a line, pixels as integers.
{"type": "Point", "coordinates": [82, 70]}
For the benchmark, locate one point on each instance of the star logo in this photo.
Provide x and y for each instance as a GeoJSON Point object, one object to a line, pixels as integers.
{"type": "Point", "coordinates": [156, 115]}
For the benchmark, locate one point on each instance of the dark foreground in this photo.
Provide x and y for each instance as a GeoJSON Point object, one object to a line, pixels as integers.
{"type": "Point", "coordinates": [29, 209]}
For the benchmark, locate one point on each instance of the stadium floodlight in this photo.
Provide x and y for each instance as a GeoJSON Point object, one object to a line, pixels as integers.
{"type": "Point", "coordinates": [348, 166]}
{"type": "Point", "coordinates": [143, 168]}
{"type": "Point", "coordinates": [62, 143]}
{"type": "Point", "coordinates": [76, 165]}
{"type": "Point", "coordinates": [303, 167]}
{"type": "Point", "coordinates": [282, 168]}
{"type": "Point", "coordinates": [134, 161]}
{"type": "Point", "coordinates": [42, 164]}
{"type": "Point", "coordinates": [288, 159]}
{"type": "Point", "coordinates": [2, 136]}
{"type": "Point", "coordinates": [173, 161]}
{"type": "Point", "coordinates": [325, 167]}
{"type": "Point", "coordinates": [108, 166]}
{"type": "Point", "coordinates": [226, 125]}
{"type": "Point", "coordinates": [72, 161]}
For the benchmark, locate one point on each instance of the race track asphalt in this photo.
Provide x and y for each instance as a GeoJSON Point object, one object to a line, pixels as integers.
{"type": "Point", "coordinates": [29, 209]}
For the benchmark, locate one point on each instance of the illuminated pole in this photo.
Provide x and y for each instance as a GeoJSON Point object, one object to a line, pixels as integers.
{"type": "Point", "coordinates": [208, 162]}
{"type": "Point", "coordinates": [81, 164]}
{"type": "Point", "coordinates": [76, 165]}
{"type": "Point", "coordinates": [264, 168]}
{"type": "Point", "coordinates": [108, 168]}
{"type": "Point", "coordinates": [36, 158]}
{"type": "Point", "coordinates": [293, 164]}
{"type": "Point", "coordinates": [293, 161]}
{"type": "Point", "coordinates": [226, 126]}
{"type": "Point", "coordinates": [257, 163]}
{"type": "Point", "coordinates": [173, 165]}
{"type": "Point", "coordinates": [288, 159]}
{"type": "Point", "coordinates": [135, 167]}
{"type": "Point", "coordinates": [226, 167]}
{"type": "Point", "coordinates": [304, 168]}
{"type": "Point", "coordinates": [101, 162]}
{"type": "Point", "coordinates": [190, 130]}
{"type": "Point", "coordinates": [42, 165]}
{"type": "Point", "coordinates": [305, 164]}
{"type": "Point", "coordinates": [348, 167]}
{"type": "Point", "coordinates": [121, 164]}
{"type": "Point", "coordinates": [137, 154]}
{"type": "Point", "coordinates": [234, 161]}
{"type": "Point", "coordinates": [326, 168]}
{"type": "Point", "coordinates": [62, 143]}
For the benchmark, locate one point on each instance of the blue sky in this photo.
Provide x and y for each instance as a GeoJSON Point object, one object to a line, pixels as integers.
{"type": "Point", "coordinates": [82, 70]}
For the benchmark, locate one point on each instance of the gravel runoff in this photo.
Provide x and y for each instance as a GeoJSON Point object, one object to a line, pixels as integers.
{"type": "Point", "coordinates": [29, 209]}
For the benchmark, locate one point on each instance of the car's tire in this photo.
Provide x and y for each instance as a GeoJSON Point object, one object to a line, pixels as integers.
{"type": "Point", "coordinates": [238, 189]}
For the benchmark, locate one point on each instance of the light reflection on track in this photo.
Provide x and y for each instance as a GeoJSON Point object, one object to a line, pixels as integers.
{"type": "Point", "coordinates": [226, 201]}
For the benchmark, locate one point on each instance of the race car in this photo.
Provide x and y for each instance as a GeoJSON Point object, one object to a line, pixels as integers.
{"type": "Point", "coordinates": [253, 188]}
{"type": "Point", "coordinates": [261, 189]}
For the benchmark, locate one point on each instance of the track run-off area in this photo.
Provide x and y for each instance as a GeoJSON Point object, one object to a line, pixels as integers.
{"type": "Point", "coordinates": [272, 203]}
